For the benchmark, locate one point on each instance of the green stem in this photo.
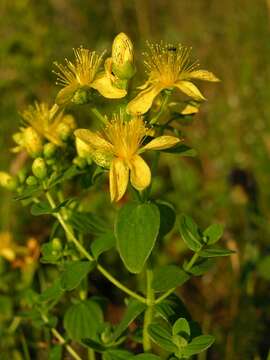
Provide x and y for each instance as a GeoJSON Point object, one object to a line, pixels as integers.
{"type": "Point", "coordinates": [192, 261]}
{"type": "Point", "coordinates": [148, 316]}
{"type": "Point", "coordinates": [99, 116]}
{"type": "Point", "coordinates": [61, 340]}
{"type": "Point", "coordinates": [91, 354]}
{"type": "Point", "coordinates": [187, 268]}
{"type": "Point", "coordinates": [162, 107]}
{"type": "Point", "coordinates": [25, 348]}
{"type": "Point", "coordinates": [81, 248]}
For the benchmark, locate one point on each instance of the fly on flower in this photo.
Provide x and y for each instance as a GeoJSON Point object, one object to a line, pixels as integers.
{"type": "Point", "coordinates": [168, 67]}
{"type": "Point", "coordinates": [83, 75]}
{"type": "Point", "coordinates": [119, 147]}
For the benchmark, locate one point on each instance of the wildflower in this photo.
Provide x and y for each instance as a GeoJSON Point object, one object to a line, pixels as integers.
{"type": "Point", "coordinates": [168, 67]}
{"type": "Point", "coordinates": [7, 247]}
{"type": "Point", "coordinates": [44, 123]}
{"type": "Point", "coordinates": [7, 181]}
{"type": "Point", "coordinates": [118, 147]}
{"type": "Point", "coordinates": [78, 77]}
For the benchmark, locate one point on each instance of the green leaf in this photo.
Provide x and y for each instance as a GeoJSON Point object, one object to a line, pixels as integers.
{"type": "Point", "coordinates": [215, 252]}
{"type": "Point", "coordinates": [198, 344]}
{"type": "Point", "coordinates": [168, 277]}
{"type": "Point", "coordinates": [167, 217]}
{"type": "Point", "coordinates": [170, 308]}
{"type": "Point", "coordinates": [263, 267]}
{"type": "Point", "coordinates": [49, 254]}
{"type": "Point", "coordinates": [201, 266]}
{"type": "Point", "coordinates": [31, 191]}
{"type": "Point", "coordinates": [190, 233]}
{"type": "Point", "coordinates": [42, 208]}
{"type": "Point", "coordinates": [116, 355]}
{"type": "Point", "coordinates": [181, 327]}
{"type": "Point", "coordinates": [74, 273]}
{"type": "Point", "coordinates": [88, 223]}
{"type": "Point", "coordinates": [133, 310]}
{"type": "Point", "coordinates": [92, 344]}
{"type": "Point", "coordinates": [103, 243]}
{"type": "Point", "coordinates": [56, 352]}
{"type": "Point", "coordinates": [136, 229]}
{"type": "Point", "coordinates": [52, 293]}
{"type": "Point", "coordinates": [162, 337]}
{"type": "Point", "coordinates": [145, 357]}
{"type": "Point", "coordinates": [213, 233]}
{"type": "Point", "coordinates": [83, 320]}
{"type": "Point", "coordinates": [182, 149]}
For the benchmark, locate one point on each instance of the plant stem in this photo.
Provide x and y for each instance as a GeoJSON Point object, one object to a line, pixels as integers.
{"type": "Point", "coordinates": [192, 261]}
{"type": "Point", "coordinates": [162, 107]}
{"type": "Point", "coordinates": [149, 311]}
{"type": "Point", "coordinates": [81, 248]}
{"type": "Point", "coordinates": [187, 268]}
{"type": "Point", "coordinates": [61, 340]}
{"type": "Point", "coordinates": [91, 354]}
{"type": "Point", "coordinates": [99, 116]}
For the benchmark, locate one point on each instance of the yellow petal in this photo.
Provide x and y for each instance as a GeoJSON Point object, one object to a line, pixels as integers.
{"type": "Point", "coordinates": [93, 139]}
{"type": "Point", "coordinates": [189, 89]}
{"type": "Point", "coordinates": [203, 75]}
{"type": "Point", "coordinates": [84, 150]}
{"type": "Point", "coordinates": [103, 84]}
{"type": "Point", "coordinates": [102, 158]}
{"type": "Point", "coordinates": [161, 142]}
{"type": "Point", "coordinates": [66, 94]}
{"type": "Point", "coordinates": [118, 179]}
{"type": "Point", "coordinates": [190, 109]}
{"type": "Point", "coordinates": [144, 100]}
{"type": "Point", "coordinates": [140, 174]}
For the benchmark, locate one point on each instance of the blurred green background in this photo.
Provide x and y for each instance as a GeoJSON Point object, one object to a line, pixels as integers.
{"type": "Point", "coordinates": [228, 182]}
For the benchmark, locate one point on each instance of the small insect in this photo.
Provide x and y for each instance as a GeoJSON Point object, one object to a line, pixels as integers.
{"type": "Point", "coordinates": [172, 48]}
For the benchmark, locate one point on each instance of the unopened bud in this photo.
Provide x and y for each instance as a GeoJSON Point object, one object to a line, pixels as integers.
{"type": "Point", "coordinates": [49, 150]}
{"type": "Point", "coordinates": [7, 181]}
{"type": "Point", "coordinates": [39, 168]}
{"type": "Point", "coordinates": [123, 57]}
{"type": "Point", "coordinates": [32, 142]}
{"type": "Point", "coordinates": [80, 162]}
{"type": "Point", "coordinates": [31, 180]}
{"type": "Point", "coordinates": [70, 121]}
{"type": "Point", "coordinates": [57, 244]}
{"type": "Point", "coordinates": [64, 131]}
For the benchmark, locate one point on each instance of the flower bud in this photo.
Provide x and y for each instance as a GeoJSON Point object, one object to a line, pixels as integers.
{"type": "Point", "coordinates": [7, 181]}
{"type": "Point", "coordinates": [31, 180]}
{"type": "Point", "coordinates": [70, 121]}
{"type": "Point", "coordinates": [49, 150]}
{"type": "Point", "coordinates": [80, 162]}
{"type": "Point", "coordinates": [64, 131]}
{"type": "Point", "coordinates": [123, 57]}
{"type": "Point", "coordinates": [32, 142]}
{"type": "Point", "coordinates": [39, 168]}
{"type": "Point", "coordinates": [57, 244]}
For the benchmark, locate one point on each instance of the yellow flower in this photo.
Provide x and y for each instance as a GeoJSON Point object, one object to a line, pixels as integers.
{"type": "Point", "coordinates": [7, 247]}
{"type": "Point", "coordinates": [84, 74]}
{"type": "Point", "coordinates": [118, 147]}
{"type": "Point", "coordinates": [45, 122]}
{"type": "Point", "coordinates": [168, 67]}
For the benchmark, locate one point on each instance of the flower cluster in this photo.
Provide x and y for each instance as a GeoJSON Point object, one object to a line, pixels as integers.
{"type": "Point", "coordinates": [118, 146]}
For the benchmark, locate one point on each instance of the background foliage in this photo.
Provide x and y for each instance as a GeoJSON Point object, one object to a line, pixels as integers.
{"type": "Point", "coordinates": [228, 182]}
